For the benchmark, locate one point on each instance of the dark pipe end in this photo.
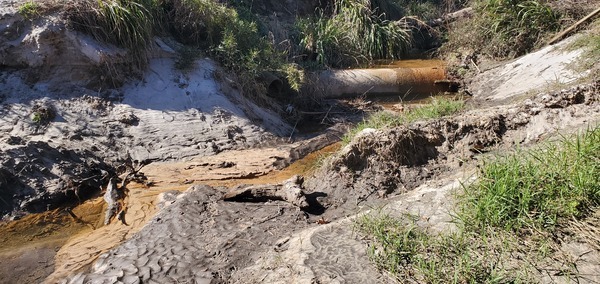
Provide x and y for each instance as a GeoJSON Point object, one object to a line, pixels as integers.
{"type": "Point", "coordinates": [273, 84]}
{"type": "Point", "coordinates": [275, 88]}
{"type": "Point", "coordinates": [449, 85]}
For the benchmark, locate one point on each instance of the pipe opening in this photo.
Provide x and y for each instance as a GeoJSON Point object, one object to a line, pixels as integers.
{"type": "Point", "coordinates": [272, 83]}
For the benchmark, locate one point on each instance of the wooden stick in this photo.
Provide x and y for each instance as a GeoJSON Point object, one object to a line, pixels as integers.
{"type": "Point", "coordinates": [574, 26]}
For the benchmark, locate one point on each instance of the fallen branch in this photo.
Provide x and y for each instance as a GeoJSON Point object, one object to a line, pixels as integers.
{"type": "Point", "coordinates": [289, 191]}
{"type": "Point", "coordinates": [451, 17]}
{"type": "Point", "coordinates": [573, 27]}
{"type": "Point", "coordinates": [115, 194]}
{"type": "Point", "coordinates": [112, 197]}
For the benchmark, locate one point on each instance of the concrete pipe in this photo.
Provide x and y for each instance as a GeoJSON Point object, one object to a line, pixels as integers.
{"type": "Point", "coordinates": [272, 83]}
{"type": "Point", "coordinates": [378, 82]}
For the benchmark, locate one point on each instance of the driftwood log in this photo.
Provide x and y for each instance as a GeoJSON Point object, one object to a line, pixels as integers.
{"type": "Point", "coordinates": [112, 197]}
{"type": "Point", "coordinates": [115, 194]}
{"type": "Point", "coordinates": [290, 191]}
{"type": "Point", "coordinates": [451, 17]}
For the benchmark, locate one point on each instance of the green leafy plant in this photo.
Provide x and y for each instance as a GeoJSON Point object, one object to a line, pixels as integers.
{"type": "Point", "coordinates": [42, 114]}
{"type": "Point", "coordinates": [295, 76]}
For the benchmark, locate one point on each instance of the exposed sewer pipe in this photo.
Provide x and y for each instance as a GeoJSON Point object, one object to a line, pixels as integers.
{"type": "Point", "coordinates": [334, 84]}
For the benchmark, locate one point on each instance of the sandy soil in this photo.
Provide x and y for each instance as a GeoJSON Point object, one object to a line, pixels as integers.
{"type": "Point", "coordinates": [256, 166]}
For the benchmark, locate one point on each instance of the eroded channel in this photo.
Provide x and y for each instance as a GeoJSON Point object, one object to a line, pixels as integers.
{"type": "Point", "coordinates": [66, 240]}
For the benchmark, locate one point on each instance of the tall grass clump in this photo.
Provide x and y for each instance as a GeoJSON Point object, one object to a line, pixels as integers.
{"type": "Point", "coordinates": [536, 189]}
{"type": "Point", "coordinates": [127, 24]}
{"type": "Point", "coordinates": [354, 33]}
{"type": "Point", "coordinates": [197, 22]}
{"type": "Point", "coordinates": [438, 107]}
{"type": "Point", "coordinates": [504, 28]}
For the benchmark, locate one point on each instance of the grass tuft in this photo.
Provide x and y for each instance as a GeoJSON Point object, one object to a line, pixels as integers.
{"type": "Point", "coordinates": [438, 107]}
{"type": "Point", "coordinates": [356, 32]}
{"type": "Point", "coordinates": [29, 10]}
{"type": "Point", "coordinates": [408, 252]}
{"type": "Point", "coordinates": [127, 24]}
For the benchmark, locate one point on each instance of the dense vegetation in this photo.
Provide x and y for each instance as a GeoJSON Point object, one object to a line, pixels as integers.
{"type": "Point", "coordinates": [203, 26]}
{"type": "Point", "coordinates": [505, 28]}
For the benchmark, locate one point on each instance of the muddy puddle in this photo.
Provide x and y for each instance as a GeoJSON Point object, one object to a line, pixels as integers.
{"type": "Point", "coordinates": [304, 167]}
